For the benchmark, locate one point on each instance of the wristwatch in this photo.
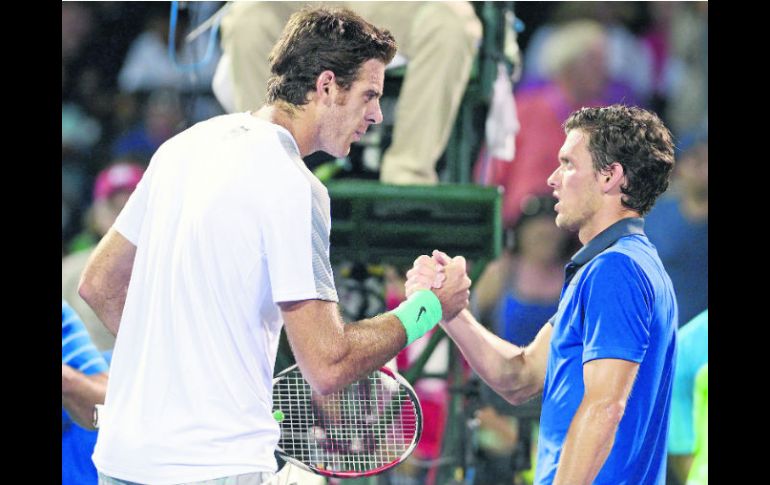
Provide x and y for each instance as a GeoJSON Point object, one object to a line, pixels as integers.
{"type": "Point", "coordinates": [97, 409]}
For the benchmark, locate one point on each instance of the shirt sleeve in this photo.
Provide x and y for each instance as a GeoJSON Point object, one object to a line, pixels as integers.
{"type": "Point", "coordinates": [618, 309]}
{"type": "Point", "coordinates": [77, 349]}
{"type": "Point", "coordinates": [129, 221]}
{"type": "Point", "coordinates": [296, 241]}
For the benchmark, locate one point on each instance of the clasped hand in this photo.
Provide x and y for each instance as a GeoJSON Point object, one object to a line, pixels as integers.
{"type": "Point", "coordinates": [446, 277]}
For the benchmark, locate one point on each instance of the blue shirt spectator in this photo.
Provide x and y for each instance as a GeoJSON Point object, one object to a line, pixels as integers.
{"type": "Point", "coordinates": [78, 443]}
{"type": "Point", "coordinates": [692, 354]}
{"type": "Point", "coordinates": [683, 246]}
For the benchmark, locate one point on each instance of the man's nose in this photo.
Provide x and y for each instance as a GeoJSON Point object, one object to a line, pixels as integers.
{"type": "Point", "coordinates": [375, 115]}
{"type": "Point", "coordinates": [553, 178]}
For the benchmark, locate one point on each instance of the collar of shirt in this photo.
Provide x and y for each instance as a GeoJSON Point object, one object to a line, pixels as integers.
{"type": "Point", "coordinates": [603, 240]}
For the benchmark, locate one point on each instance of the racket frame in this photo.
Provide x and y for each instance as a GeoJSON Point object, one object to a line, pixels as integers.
{"type": "Point", "coordinates": [404, 384]}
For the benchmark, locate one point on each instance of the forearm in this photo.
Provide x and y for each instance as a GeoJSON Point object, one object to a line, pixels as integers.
{"type": "Point", "coordinates": [80, 393]}
{"type": "Point", "coordinates": [369, 344]}
{"type": "Point", "coordinates": [499, 363]}
{"type": "Point", "coordinates": [345, 353]}
{"type": "Point", "coordinates": [589, 441]}
{"type": "Point", "coordinates": [108, 306]}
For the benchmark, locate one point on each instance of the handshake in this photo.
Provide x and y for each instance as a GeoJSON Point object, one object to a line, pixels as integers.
{"type": "Point", "coordinates": [446, 277]}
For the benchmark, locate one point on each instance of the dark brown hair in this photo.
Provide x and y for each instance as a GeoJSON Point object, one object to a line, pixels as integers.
{"type": "Point", "coordinates": [319, 39]}
{"type": "Point", "coordinates": [637, 140]}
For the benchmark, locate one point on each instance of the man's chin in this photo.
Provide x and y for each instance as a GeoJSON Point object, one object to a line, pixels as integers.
{"type": "Point", "coordinates": [339, 153]}
{"type": "Point", "coordinates": [563, 223]}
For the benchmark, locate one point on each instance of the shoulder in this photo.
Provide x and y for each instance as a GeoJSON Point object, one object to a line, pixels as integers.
{"type": "Point", "coordinates": [611, 262]}
{"type": "Point", "coordinates": [618, 270]}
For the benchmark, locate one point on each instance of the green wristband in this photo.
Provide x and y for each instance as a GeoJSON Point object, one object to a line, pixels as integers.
{"type": "Point", "coordinates": [419, 314]}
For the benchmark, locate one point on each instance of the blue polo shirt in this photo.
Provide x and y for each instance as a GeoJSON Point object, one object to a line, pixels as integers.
{"type": "Point", "coordinates": [77, 444]}
{"type": "Point", "coordinates": [617, 303]}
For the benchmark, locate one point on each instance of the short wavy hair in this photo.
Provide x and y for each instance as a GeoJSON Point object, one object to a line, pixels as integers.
{"type": "Point", "coordinates": [319, 39]}
{"type": "Point", "coordinates": [635, 138]}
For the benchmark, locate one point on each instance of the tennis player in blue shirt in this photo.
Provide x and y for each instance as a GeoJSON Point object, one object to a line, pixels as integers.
{"type": "Point", "coordinates": [604, 362]}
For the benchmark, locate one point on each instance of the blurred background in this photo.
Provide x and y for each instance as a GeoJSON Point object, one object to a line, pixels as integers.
{"type": "Point", "coordinates": [136, 73]}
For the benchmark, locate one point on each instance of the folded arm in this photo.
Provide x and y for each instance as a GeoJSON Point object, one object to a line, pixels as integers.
{"type": "Point", "coordinates": [80, 393]}
{"type": "Point", "coordinates": [104, 282]}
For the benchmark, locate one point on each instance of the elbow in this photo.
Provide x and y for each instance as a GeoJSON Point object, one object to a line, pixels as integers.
{"type": "Point", "coordinates": [515, 385]}
{"type": "Point", "coordinates": [520, 395]}
{"type": "Point", "coordinates": [324, 389]}
{"type": "Point", "coordinates": [320, 384]}
{"type": "Point", "coordinates": [86, 288]}
{"type": "Point", "coordinates": [612, 412]}
{"type": "Point", "coordinates": [606, 414]}
{"type": "Point", "coordinates": [325, 380]}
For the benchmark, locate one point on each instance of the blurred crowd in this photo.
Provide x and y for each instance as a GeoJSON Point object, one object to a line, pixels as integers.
{"type": "Point", "coordinates": [124, 94]}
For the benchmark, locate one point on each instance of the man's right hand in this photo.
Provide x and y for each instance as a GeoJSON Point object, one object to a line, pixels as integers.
{"type": "Point", "coordinates": [447, 278]}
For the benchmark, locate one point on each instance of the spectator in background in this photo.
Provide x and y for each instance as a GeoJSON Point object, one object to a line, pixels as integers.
{"type": "Point", "coordinates": [83, 385]}
{"type": "Point", "coordinates": [699, 471]}
{"type": "Point", "coordinates": [678, 227]}
{"type": "Point", "coordinates": [578, 77]}
{"type": "Point", "coordinates": [687, 107]}
{"type": "Point", "coordinates": [656, 38]}
{"type": "Point", "coordinates": [113, 186]}
{"type": "Point", "coordinates": [147, 66]}
{"type": "Point", "coordinates": [692, 353]}
{"type": "Point", "coordinates": [520, 290]}
{"type": "Point", "coordinates": [630, 62]}
{"type": "Point", "coordinates": [438, 39]}
{"type": "Point", "coordinates": [163, 118]}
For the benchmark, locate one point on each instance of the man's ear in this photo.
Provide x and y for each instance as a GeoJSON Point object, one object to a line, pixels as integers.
{"type": "Point", "coordinates": [613, 178]}
{"type": "Point", "coordinates": [325, 84]}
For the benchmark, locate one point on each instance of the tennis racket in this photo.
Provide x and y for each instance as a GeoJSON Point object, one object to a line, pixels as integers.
{"type": "Point", "coordinates": [362, 430]}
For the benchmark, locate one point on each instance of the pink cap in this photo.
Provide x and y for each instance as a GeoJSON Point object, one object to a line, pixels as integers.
{"type": "Point", "coordinates": [121, 176]}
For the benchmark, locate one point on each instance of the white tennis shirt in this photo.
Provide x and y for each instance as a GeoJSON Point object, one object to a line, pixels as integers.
{"type": "Point", "coordinates": [227, 221]}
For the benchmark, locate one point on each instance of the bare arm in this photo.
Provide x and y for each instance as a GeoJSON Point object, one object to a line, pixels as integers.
{"type": "Point", "coordinates": [516, 373]}
{"type": "Point", "coordinates": [332, 354]}
{"type": "Point", "coordinates": [591, 434]}
{"type": "Point", "coordinates": [79, 394]}
{"type": "Point", "coordinates": [104, 282]}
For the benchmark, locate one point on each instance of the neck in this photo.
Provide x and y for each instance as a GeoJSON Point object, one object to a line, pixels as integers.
{"type": "Point", "coordinates": [600, 222]}
{"type": "Point", "coordinates": [296, 119]}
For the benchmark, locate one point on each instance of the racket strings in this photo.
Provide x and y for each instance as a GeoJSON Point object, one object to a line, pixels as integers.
{"type": "Point", "coordinates": [365, 426]}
